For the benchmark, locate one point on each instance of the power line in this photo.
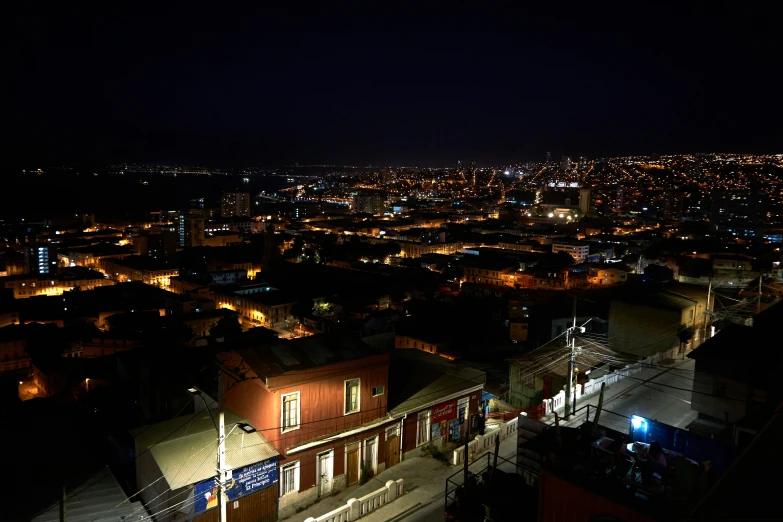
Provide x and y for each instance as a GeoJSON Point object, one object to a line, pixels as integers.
{"type": "Point", "coordinates": [136, 457]}
{"type": "Point", "coordinates": [678, 388]}
{"type": "Point", "coordinates": [148, 505]}
{"type": "Point", "coordinates": [479, 379]}
{"type": "Point", "coordinates": [188, 422]}
{"type": "Point", "coordinates": [88, 486]}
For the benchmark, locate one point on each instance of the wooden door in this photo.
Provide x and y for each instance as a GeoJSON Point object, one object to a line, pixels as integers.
{"type": "Point", "coordinates": [324, 472]}
{"type": "Point", "coordinates": [371, 456]}
{"type": "Point", "coordinates": [352, 458]}
{"type": "Point", "coordinates": [392, 451]}
{"type": "Point", "coordinates": [260, 506]}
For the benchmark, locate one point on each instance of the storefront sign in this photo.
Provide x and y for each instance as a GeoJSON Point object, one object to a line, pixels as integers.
{"type": "Point", "coordinates": [444, 411]}
{"type": "Point", "coordinates": [244, 481]}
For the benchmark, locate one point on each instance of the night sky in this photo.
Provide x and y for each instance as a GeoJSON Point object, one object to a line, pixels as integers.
{"type": "Point", "coordinates": [392, 87]}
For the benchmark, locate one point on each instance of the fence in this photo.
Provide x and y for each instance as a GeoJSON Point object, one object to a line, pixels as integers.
{"type": "Point", "coordinates": [484, 442]}
{"type": "Point", "coordinates": [476, 468]}
{"type": "Point", "coordinates": [356, 508]}
{"type": "Point", "coordinates": [594, 385]}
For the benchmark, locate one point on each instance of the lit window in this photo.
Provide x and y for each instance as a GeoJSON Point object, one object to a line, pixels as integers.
{"type": "Point", "coordinates": [351, 396]}
{"type": "Point", "coordinates": [380, 390]}
{"type": "Point", "coordinates": [290, 412]}
{"type": "Point", "coordinates": [289, 478]}
{"type": "Point", "coordinates": [423, 428]}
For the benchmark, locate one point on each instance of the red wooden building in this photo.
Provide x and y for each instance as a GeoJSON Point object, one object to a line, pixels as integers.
{"type": "Point", "coordinates": [324, 403]}
{"type": "Point", "coordinates": [321, 401]}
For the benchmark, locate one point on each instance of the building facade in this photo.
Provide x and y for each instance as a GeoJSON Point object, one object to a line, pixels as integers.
{"type": "Point", "coordinates": [578, 250]}
{"type": "Point", "coordinates": [138, 269]}
{"type": "Point", "coordinates": [342, 410]}
{"type": "Point", "coordinates": [235, 204]}
{"type": "Point", "coordinates": [191, 231]}
{"type": "Point", "coordinates": [41, 259]}
{"type": "Point", "coordinates": [606, 276]}
{"type": "Point", "coordinates": [369, 202]}
{"type": "Point", "coordinates": [324, 398]}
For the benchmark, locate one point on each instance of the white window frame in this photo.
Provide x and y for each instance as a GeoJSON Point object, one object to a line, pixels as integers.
{"type": "Point", "coordinates": [392, 431]}
{"type": "Point", "coordinates": [283, 428]}
{"type": "Point", "coordinates": [285, 469]}
{"type": "Point", "coordinates": [358, 396]}
{"type": "Point", "coordinates": [426, 415]}
{"type": "Point", "coordinates": [373, 456]}
{"type": "Point", "coordinates": [318, 479]}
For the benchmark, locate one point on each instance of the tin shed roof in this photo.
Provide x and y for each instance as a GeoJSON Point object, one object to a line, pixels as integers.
{"type": "Point", "coordinates": [188, 451]}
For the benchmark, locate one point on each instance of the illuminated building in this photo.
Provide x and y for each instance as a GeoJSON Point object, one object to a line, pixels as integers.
{"type": "Point", "coordinates": [606, 276]}
{"type": "Point", "coordinates": [55, 284]}
{"type": "Point", "coordinates": [139, 268]}
{"type": "Point", "coordinates": [619, 203]}
{"type": "Point", "coordinates": [41, 259]}
{"type": "Point", "coordinates": [90, 256]}
{"type": "Point", "coordinates": [369, 202]}
{"type": "Point", "coordinates": [235, 204]}
{"type": "Point", "coordinates": [584, 201]}
{"type": "Point", "coordinates": [673, 203]}
{"type": "Point", "coordinates": [737, 209]}
{"type": "Point", "coordinates": [436, 346]}
{"type": "Point", "coordinates": [162, 247]}
{"type": "Point", "coordinates": [578, 250]}
{"type": "Point", "coordinates": [191, 231]}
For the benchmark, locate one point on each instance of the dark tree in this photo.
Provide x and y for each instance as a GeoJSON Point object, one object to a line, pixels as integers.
{"type": "Point", "coordinates": [226, 327]}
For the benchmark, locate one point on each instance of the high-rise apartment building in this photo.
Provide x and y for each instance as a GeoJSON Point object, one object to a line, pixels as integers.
{"type": "Point", "coordinates": [673, 205]}
{"type": "Point", "coordinates": [162, 247]}
{"type": "Point", "coordinates": [41, 259]}
{"type": "Point", "coordinates": [738, 212]}
{"type": "Point", "coordinates": [619, 202]}
{"type": "Point", "coordinates": [369, 202]}
{"type": "Point", "coordinates": [191, 231]}
{"type": "Point", "coordinates": [737, 205]}
{"type": "Point", "coordinates": [235, 204]}
{"type": "Point", "coordinates": [565, 162]}
{"type": "Point", "coordinates": [584, 201]}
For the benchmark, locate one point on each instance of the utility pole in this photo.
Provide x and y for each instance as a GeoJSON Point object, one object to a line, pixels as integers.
{"type": "Point", "coordinates": [576, 381]}
{"type": "Point", "coordinates": [758, 305]}
{"type": "Point", "coordinates": [466, 472]}
{"type": "Point", "coordinates": [222, 466]}
{"type": "Point", "coordinates": [62, 505]}
{"type": "Point", "coordinates": [571, 341]}
{"type": "Point", "coordinates": [707, 309]}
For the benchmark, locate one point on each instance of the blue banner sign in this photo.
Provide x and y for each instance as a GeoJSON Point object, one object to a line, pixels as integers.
{"type": "Point", "coordinates": [244, 481]}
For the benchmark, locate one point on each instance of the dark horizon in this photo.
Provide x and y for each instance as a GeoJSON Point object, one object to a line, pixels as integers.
{"type": "Point", "coordinates": [425, 88]}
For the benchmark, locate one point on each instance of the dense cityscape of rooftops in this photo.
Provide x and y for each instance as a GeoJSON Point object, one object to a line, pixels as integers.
{"type": "Point", "coordinates": [477, 276]}
{"type": "Point", "coordinates": [310, 265]}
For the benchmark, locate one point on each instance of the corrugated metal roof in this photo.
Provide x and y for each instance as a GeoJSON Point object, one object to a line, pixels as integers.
{"type": "Point", "coordinates": [189, 454]}
{"type": "Point", "coordinates": [305, 352]}
{"type": "Point", "coordinates": [102, 501]}
{"type": "Point", "coordinates": [284, 354]}
{"type": "Point", "coordinates": [317, 352]}
{"type": "Point", "coordinates": [440, 388]}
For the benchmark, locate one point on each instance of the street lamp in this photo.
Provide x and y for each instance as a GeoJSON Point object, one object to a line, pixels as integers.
{"type": "Point", "coordinates": [222, 470]}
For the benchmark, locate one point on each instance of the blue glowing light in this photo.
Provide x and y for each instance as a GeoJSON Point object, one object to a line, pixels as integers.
{"type": "Point", "coordinates": [638, 422]}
